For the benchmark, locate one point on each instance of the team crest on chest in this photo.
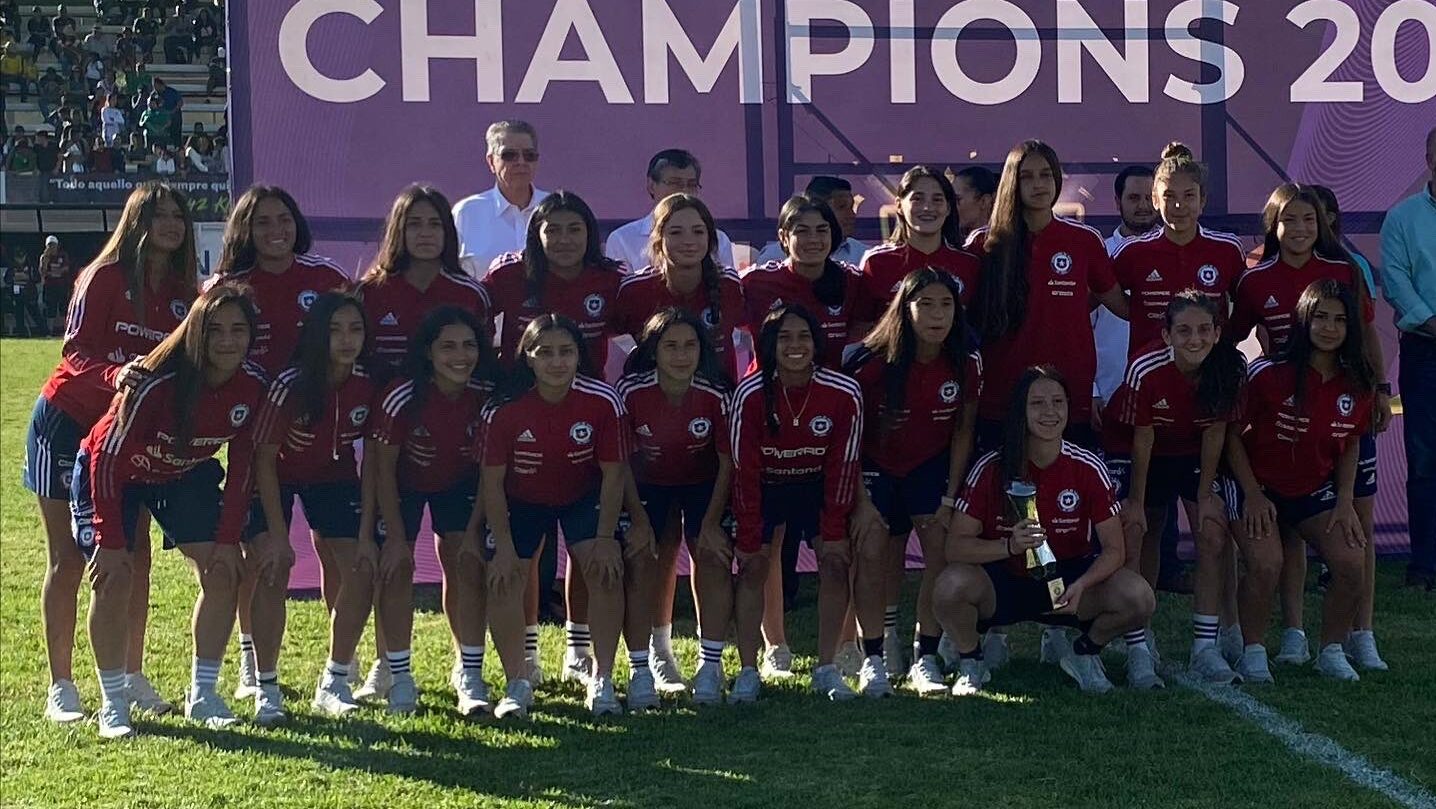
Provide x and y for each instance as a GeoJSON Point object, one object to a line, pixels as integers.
{"type": "Point", "coordinates": [710, 317]}
{"type": "Point", "coordinates": [700, 428]}
{"type": "Point", "coordinates": [581, 432]}
{"type": "Point", "coordinates": [307, 298]}
{"type": "Point", "coordinates": [821, 425]}
{"type": "Point", "coordinates": [593, 305]}
{"type": "Point", "coordinates": [179, 309]}
{"type": "Point", "coordinates": [1062, 263]}
{"type": "Point", "coordinates": [358, 415]}
{"type": "Point", "coordinates": [948, 391]}
{"type": "Point", "coordinates": [1208, 275]}
{"type": "Point", "coordinates": [238, 414]}
{"type": "Point", "coordinates": [835, 311]}
{"type": "Point", "coordinates": [1345, 404]}
{"type": "Point", "coordinates": [1068, 500]}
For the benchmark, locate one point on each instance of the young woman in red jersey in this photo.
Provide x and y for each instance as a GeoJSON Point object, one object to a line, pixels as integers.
{"type": "Point", "coordinates": [920, 381]}
{"type": "Point", "coordinates": [684, 274]}
{"type": "Point", "coordinates": [420, 454]}
{"type": "Point", "coordinates": [675, 393]}
{"type": "Point", "coordinates": [135, 292]}
{"type": "Point", "coordinates": [926, 235]}
{"type": "Point", "coordinates": [988, 583]}
{"type": "Point", "coordinates": [1300, 248]}
{"type": "Point", "coordinates": [555, 458]}
{"type": "Point", "coordinates": [1295, 454]}
{"type": "Point", "coordinates": [797, 434]}
{"type": "Point", "coordinates": [1039, 274]}
{"type": "Point", "coordinates": [1178, 400]}
{"type": "Point", "coordinates": [154, 450]}
{"type": "Point", "coordinates": [317, 409]}
{"type": "Point", "coordinates": [416, 271]}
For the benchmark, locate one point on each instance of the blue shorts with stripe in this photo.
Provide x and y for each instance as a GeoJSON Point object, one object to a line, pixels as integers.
{"type": "Point", "coordinates": [331, 509]}
{"type": "Point", "coordinates": [1366, 467]}
{"type": "Point", "coordinates": [531, 523]}
{"type": "Point", "coordinates": [187, 508]}
{"type": "Point", "coordinates": [51, 443]}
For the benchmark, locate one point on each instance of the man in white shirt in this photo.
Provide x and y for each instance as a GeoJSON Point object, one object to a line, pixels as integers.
{"type": "Point", "coordinates": [671, 171]}
{"type": "Point", "coordinates": [496, 221]}
{"type": "Point", "coordinates": [1134, 200]}
{"type": "Point", "coordinates": [838, 194]}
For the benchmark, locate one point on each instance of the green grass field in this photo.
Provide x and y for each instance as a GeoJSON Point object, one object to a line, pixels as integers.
{"type": "Point", "coordinates": [1033, 740]}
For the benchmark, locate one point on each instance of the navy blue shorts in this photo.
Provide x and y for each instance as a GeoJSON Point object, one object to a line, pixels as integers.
{"type": "Point", "coordinates": [449, 510]}
{"type": "Point", "coordinates": [530, 523]}
{"type": "Point", "coordinates": [899, 499]}
{"type": "Point", "coordinates": [796, 505]}
{"type": "Point", "coordinates": [1292, 511]}
{"type": "Point", "coordinates": [331, 509]}
{"type": "Point", "coordinates": [1021, 599]}
{"type": "Point", "coordinates": [187, 509]}
{"type": "Point", "coordinates": [1170, 478]}
{"type": "Point", "coordinates": [687, 502]}
{"type": "Point", "coordinates": [1366, 467]}
{"type": "Point", "coordinates": [51, 443]}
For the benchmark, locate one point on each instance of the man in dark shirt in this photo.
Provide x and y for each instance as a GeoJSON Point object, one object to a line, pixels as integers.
{"type": "Point", "coordinates": [47, 155]}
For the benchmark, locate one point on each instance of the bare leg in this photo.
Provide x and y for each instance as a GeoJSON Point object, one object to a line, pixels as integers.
{"type": "Point", "coordinates": [748, 608]}
{"type": "Point", "coordinates": [352, 600]}
{"type": "Point", "coordinates": [1121, 603]}
{"type": "Point", "coordinates": [1293, 579]}
{"type": "Point", "coordinates": [60, 592]}
{"type": "Point", "coordinates": [834, 591]}
{"type": "Point", "coordinates": [268, 614]}
{"type": "Point", "coordinates": [774, 630]}
{"type": "Point", "coordinates": [605, 599]}
{"type": "Point", "coordinates": [213, 617]}
{"type": "Point", "coordinates": [1366, 605]}
{"type": "Point", "coordinates": [463, 591]}
{"type": "Point", "coordinates": [139, 611]}
{"type": "Point", "coordinates": [961, 596]}
{"type": "Point", "coordinates": [1347, 565]}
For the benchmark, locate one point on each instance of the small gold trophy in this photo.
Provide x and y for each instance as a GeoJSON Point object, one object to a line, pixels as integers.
{"type": "Point", "coordinates": [1041, 563]}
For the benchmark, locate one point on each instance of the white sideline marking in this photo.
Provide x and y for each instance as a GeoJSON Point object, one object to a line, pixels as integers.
{"type": "Point", "coordinates": [1306, 744]}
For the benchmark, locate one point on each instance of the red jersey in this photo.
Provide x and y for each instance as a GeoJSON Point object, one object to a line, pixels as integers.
{"type": "Point", "coordinates": [884, 267]}
{"type": "Point", "coordinates": [436, 445]}
{"type": "Point", "coordinates": [103, 332]}
{"type": "Point", "coordinates": [552, 452]}
{"type": "Point", "coordinates": [1294, 453]}
{"type": "Point", "coordinates": [1067, 262]}
{"type": "Point", "coordinates": [933, 401]}
{"type": "Point", "coordinates": [143, 451]}
{"type": "Point", "coordinates": [641, 295]}
{"type": "Point", "coordinates": [586, 300]}
{"type": "Point", "coordinates": [322, 452]}
{"type": "Point", "coordinates": [394, 308]}
{"type": "Point", "coordinates": [1266, 295]}
{"type": "Point", "coordinates": [675, 445]}
{"type": "Point", "coordinates": [1160, 396]}
{"type": "Point", "coordinates": [1074, 495]}
{"type": "Point", "coordinates": [770, 285]}
{"type": "Point", "coordinates": [1152, 268]}
{"type": "Point", "coordinates": [819, 436]}
{"type": "Point", "coordinates": [281, 300]}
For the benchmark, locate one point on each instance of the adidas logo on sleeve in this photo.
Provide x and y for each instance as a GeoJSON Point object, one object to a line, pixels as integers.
{"type": "Point", "coordinates": [527, 437]}
{"type": "Point", "coordinates": [1155, 277]}
{"type": "Point", "coordinates": [389, 320]}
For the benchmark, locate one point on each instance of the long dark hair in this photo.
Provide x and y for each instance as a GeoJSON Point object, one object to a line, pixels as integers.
{"type": "Point", "coordinates": [712, 275]}
{"type": "Point", "coordinates": [1328, 245]}
{"type": "Point", "coordinates": [1014, 424]}
{"type": "Point", "coordinates": [894, 342]}
{"type": "Point", "coordinates": [521, 379]}
{"type": "Point", "coordinates": [1351, 357]}
{"type": "Point", "coordinates": [644, 357]}
{"type": "Point", "coordinates": [1333, 209]}
{"type": "Point", "coordinates": [393, 258]}
{"type": "Point", "coordinates": [311, 355]}
{"type": "Point", "coordinates": [128, 246]}
{"type": "Point", "coordinates": [536, 263]}
{"type": "Point", "coordinates": [240, 253]}
{"type": "Point", "coordinates": [1001, 302]}
{"type": "Point", "coordinates": [419, 367]}
{"type": "Point", "coordinates": [185, 353]}
{"type": "Point", "coordinates": [768, 351]}
{"type": "Point", "coordinates": [831, 287]}
{"type": "Point", "coordinates": [902, 232]}
{"type": "Point", "coordinates": [1224, 372]}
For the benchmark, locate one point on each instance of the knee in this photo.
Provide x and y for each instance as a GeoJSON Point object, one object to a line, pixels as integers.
{"type": "Point", "coordinates": [1211, 541]}
{"type": "Point", "coordinates": [66, 567]}
{"type": "Point", "coordinates": [953, 586]}
{"type": "Point", "coordinates": [1346, 568]}
{"type": "Point", "coordinates": [832, 566]}
{"type": "Point", "coordinates": [1263, 561]}
{"type": "Point", "coordinates": [1138, 601]}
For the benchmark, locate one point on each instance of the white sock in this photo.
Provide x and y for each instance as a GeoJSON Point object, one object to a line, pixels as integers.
{"type": "Point", "coordinates": [471, 657]}
{"type": "Point", "coordinates": [398, 662]}
{"type": "Point", "coordinates": [580, 639]}
{"type": "Point", "coordinates": [246, 644]}
{"type": "Point", "coordinates": [638, 661]}
{"type": "Point", "coordinates": [268, 677]}
{"type": "Point", "coordinates": [204, 673]}
{"type": "Point", "coordinates": [661, 643]}
{"type": "Point", "coordinates": [890, 618]}
{"type": "Point", "coordinates": [336, 669]}
{"type": "Point", "coordinates": [531, 641]}
{"type": "Point", "coordinates": [711, 651]}
{"type": "Point", "coordinates": [1136, 638]}
{"type": "Point", "coordinates": [1204, 631]}
{"type": "Point", "coordinates": [112, 685]}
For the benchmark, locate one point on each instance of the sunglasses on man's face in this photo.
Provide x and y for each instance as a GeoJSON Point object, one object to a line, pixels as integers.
{"type": "Point", "coordinates": [512, 155]}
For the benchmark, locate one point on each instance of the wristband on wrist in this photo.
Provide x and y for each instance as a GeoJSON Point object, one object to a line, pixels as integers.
{"type": "Point", "coordinates": [949, 502]}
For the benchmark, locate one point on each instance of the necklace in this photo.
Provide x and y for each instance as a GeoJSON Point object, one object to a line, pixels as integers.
{"type": "Point", "coordinates": [798, 416]}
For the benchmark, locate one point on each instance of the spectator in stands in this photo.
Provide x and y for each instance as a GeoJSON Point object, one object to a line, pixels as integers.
{"type": "Point", "coordinates": [146, 29]}
{"type": "Point", "coordinates": [164, 160]}
{"type": "Point", "coordinates": [199, 154]}
{"type": "Point", "coordinates": [124, 47]}
{"type": "Point", "coordinates": [178, 38]}
{"type": "Point", "coordinates": [108, 83]}
{"type": "Point", "coordinates": [155, 121]}
{"type": "Point", "coordinates": [221, 151]}
{"type": "Point", "coordinates": [99, 43]}
{"type": "Point", "coordinates": [173, 103]}
{"type": "Point", "coordinates": [48, 92]}
{"type": "Point", "coordinates": [217, 72]}
{"type": "Point", "coordinates": [95, 68]}
{"type": "Point", "coordinates": [74, 156]}
{"type": "Point", "coordinates": [16, 68]}
{"type": "Point", "coordinates": [47, 157]}
{"type": "Point", "coordinates": [63, 24]}
{"type": "Point", "coordinates": [58, 279]}
{"type": "Point", "coordinates": [204, 31]}
{"type": "Point", "coordinates": [21, 159]}
{"type": "Point", "coordinates": [112, 121]}
{"type": "Point", "coordinates": [38, 30]}
{"type": "Point", "coordinates": [102, 157]}
{"type": "Point", "coordinates": [110, 12]}
{"type": "Point", "coordinates": [137, 157]}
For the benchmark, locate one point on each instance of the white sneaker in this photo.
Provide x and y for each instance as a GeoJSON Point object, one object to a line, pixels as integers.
{"type": "Point", "coordinates": [642, 695]}
{"type": "Point", "coordinates": [1294, 649]}
{"type": "Point", "coordinates": [353, 678]}
{"type": "Point", "coordinates": [925, 676]}
{"type": "Point", "coordinates": [269, 706]}
{"type": "Point", "coordinates": [206, 706]}
{"type": "Point", "coordinates": [1055, 645]}
{"type": "Point", "coordinates": [332, 696]}
{"type": "Point", "coordinates": [143, 697]}
{"type": "Point", "coordinates": [536, 674]}
{"type": "Point", "coordinates": [114, 720]}
{"type": "Point", "coordinates": [893, 656]}
{"type": "Point", "coordinates": [873, 679]}
{"type": "Point", "coordinates": [1331, 662]}
{"type": "Point", "coordinates": [1209, 666]}
{"type": "Point", "coordinates": [849, 659]}
{"type": "Point", "coordinates": [577, 668]}
{"type": "Point", "coordinates": [1230, 641]}
{"type": "Point", "coordinates": [947, 650]}
{"type": "Point", "coordinates": [996, 652]}
{"type": "Point", "coordinates": [471, 691]}
{"type": "Point", "coordinates": [667, 676]}
{"type": "Point", "coordinates": [1253, 667]}
{"type": "Point", "coordinates": [1142, 670]}
{"type": "Point", "coordinates": [518, 699]}
{"type": "Point", "coordinates": [1152, 647]}
{"type": "Point", "coordinates": [778, 662]}
{"type": "Point", "coordinates": [403, 695]}
{"type": "Point", "coordinates": [745, 687]}
{"type": "Point", "coordinates": [1088, 672]}
{"type": "Point", "coordinates": [972, 675]}
{"type": "Point", "coordinates": [828, 681]}
{"type": "Point", "coordinates": [1360, 646]}
{"type": "Point", "coordinates": [601, 699]}
{"type": "Point", "coordinates": [62, 703]}
{"type": "Point", "coordinates": [708, 684]}
{"type": "Point", "coordinates": [377, 683]}
{"type": "Point", "coordinates": [248, 684]}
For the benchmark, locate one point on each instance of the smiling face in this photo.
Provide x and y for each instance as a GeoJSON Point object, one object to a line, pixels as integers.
{"type": "Point", "coordinates": [1046, 410]}
{"type": "Point", "coordinates": [564, 237]}
{"type": "Point", "coordinates": [423, 231]}
{"type": "Point", "coordinates": [924, 207]}
{"type": "Point", "coordinates": [554, 359]}
{"type": "Point", "coordinates": [796, 348]}
{"type": "Point", "coordinates": [167, 226]}
{"type": "Point", "coordinates": [1180, 200]}
{"type": "Point", "coordinates": [227, 338]}
{"type": "Point", "coordinates": [1328, 325]}
{"type": "Point", "coordinates": [1296, 228]}
{"type": "Point", "coordinates": [1036, 183]}
{"type": "Point", "coordinates": [272, 228]}
{"type": "Point", "coordinates": [809, 240]}
{"type": "Point", "coordinates": [454, 353]}
{"type": "Point", "coordinates": [685, 238]}
{"type": "Point", "coordinates": [677, 354]}
{"type": "Point", "coordinates": [346, 335]}
{"type": "Point", "coordinates": [932, 313]}
{"type": "Point", "coordinates": [1192, 335]}
{"type": "Point", "coordinates": [1138, 215]}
